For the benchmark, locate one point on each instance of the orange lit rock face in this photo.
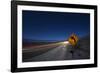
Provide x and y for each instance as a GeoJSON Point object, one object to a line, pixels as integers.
{"type": "Point", "coordinates": [73, 39]}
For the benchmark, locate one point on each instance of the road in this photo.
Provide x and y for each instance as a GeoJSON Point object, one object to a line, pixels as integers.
{"type": "Point", "coordinates": [56, 51]}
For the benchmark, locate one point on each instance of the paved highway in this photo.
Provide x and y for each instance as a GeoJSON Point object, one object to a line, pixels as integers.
{"type": "Point", "coordinates": [57, 51]}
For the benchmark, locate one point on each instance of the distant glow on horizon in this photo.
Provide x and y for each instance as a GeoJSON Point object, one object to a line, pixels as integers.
{"type": "Point", "coordinates": [65, 42]}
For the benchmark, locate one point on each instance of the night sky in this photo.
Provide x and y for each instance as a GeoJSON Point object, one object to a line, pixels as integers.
{"type": "Point", "coordinates": [40, 25]}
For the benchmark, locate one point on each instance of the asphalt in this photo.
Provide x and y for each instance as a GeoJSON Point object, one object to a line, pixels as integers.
{"type": "Point", "coordinates": [61, 51]}
{"type": "Point", "coordinates": [58, 53]}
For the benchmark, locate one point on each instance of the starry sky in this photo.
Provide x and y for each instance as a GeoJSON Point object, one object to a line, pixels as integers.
{"type": "Point", "coordinates": [43, 25]}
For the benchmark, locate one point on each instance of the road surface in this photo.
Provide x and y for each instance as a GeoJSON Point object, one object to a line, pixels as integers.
{"type": "Point", "coordinates": [55, 51]}
{"type": "Point", "coordinates": [58, 53]}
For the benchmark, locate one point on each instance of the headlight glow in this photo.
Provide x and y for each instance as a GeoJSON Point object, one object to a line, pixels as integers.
{"type": "Point", "coordinates": [65, 42]}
